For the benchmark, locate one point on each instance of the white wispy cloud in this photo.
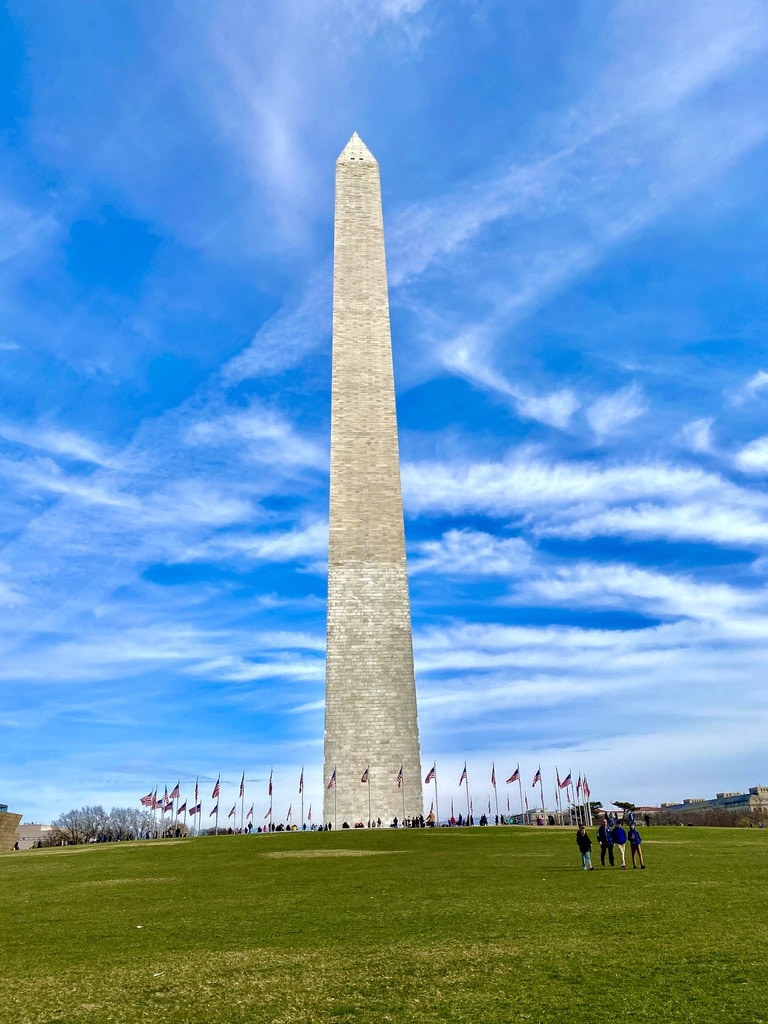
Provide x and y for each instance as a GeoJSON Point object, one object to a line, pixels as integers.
{"type": "Point", "coordinates": [468, 552]}
{"type": "Point", "coordinates": [265, 435]}
{"type": "Point", "coordinates": [612, 413]}
{"type": "Point", "coordinates": [697, 435]}
{"type": "Point", "coordinates": [58, 442]}
{"type": "Point", "coordinates": [753, 457]}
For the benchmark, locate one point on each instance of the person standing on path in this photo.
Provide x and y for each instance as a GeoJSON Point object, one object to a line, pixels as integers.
{"type": "Point", "coordinates": [584, 843]}
{"type": "Point", "coordinates": [635, 848]}
{"type": "Point", "coordinates": [619, 837]}
{"type": "Point", "coordinates": [605, 842]}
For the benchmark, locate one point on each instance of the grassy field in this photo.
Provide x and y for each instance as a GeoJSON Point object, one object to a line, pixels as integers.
{"type": "Point", "coordinates": [476, 925]}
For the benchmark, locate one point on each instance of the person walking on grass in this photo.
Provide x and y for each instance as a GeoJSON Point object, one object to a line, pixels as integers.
{"type": "Point", "coordinates": [584, 843]}
{"type": "Point", "coordinates": [605, 842]}
{"type": "Point", "coordinates": [619, 837]}
{"type": "Point", "coordinates": [635, 848]}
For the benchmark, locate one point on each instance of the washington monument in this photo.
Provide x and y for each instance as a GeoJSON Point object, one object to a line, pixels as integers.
{"type": "Point", "coordinates": [371, 727]}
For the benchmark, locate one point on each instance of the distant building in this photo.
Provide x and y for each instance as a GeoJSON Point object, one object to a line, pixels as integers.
{"type": "Point", "coordinates": [756, 799]}
{"type": "Point", "coordinates": [30, 834]}
{"type": "Point", "coordinates": [8, 824]}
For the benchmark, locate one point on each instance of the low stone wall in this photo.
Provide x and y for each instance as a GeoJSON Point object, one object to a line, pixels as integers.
{"type": "Point", "coordinates": [8, 825]}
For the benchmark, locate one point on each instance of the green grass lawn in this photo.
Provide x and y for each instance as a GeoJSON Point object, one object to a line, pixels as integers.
{"type": "Point", "coordinates": [473, 925]}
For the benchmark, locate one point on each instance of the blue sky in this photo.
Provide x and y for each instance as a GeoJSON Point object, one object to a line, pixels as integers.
{"type": "Point", "coordinates": [575, 205]}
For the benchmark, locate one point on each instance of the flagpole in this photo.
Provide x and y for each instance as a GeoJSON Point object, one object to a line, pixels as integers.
{"type": "Point", "coordinates": [466, 786]}
{"type": "Point", "coordinates": [335, 794]}
{"type": "Point", "coordinates": [541, 787]}
{"type": "Point", "coordinates": [558, 802]}
{"type": "Point", "coordinates": [368, 780]}
{"type": "Point", "coordinates": [402, 786]}
{"type": "Point", "coordinates": [495, 792]}
{"type": "Point", "coordinates": [242, 801]}
{"type": "Point", "coordinates": [437, 805]}
{"type": "Point", "coordinates": [301, 790]}
{"type": "Point", "coordinates": [520, 787]}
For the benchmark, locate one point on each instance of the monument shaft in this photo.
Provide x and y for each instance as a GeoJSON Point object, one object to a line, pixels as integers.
{"type": "Point", "coordinates": [370, 703]}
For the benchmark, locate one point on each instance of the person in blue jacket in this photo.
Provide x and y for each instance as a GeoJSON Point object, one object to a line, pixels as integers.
{"type": "Point", "coordinates": [635, 848]}
{"type": "Point", "coordinates": [619, 837]}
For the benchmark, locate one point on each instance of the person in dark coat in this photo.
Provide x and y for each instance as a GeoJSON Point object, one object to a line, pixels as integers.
{"type": "Point", "coordinates": [584, 843]}
{"type": "Point", "coordinates": [605, 842]}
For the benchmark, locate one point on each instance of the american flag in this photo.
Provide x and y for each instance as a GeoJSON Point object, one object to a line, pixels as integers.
{"type": "Point", "coordinates": [146, 801]}
{"type": "Point", "coordinates": [493, 776]}
{"type": "Point", "coordinates": [270, 783]}
{"type": "Point", "coordinates": [232, 812]}
{"type": "Point", "coordinates": [309, 813]}
{"type": "Point", "coordinates": [430, 775]}
{"type": "Point", "coordinates": [214, 811]}
{"type": "Point", "coordinates": [578, 785]}
{"type": "Point", "coordinates": [301, 781]}
{"type": "Point", "coordinates": [463, 774]}
{"type": "Point", "coordinates": [250, 812]}
{"type": "Point", "coordinates": [269, 813]}
{"type": "Point", "coordinates": [515, 776]}
{"type": "Point", "coordinates": [183, 808]}
{"type": "Point", "coordinates": [332, 780]}
{"type": "Point", "coordinates": [195, 809]}
{"type": "Point", "coordinates": [536, 777]}
{"type": "Point", "coordinates": [585, 787]}
{"type": "Point", "coordinates": [566, 781]}
{"type": "Point", "coordinates": [364, 776]}
{"type": "Point", "coordinates": [400, 777]}
{"type": "Point", "coordinates": [167, 806]}
{"type": "Point", "coordinates": [216, 790]}
{"type": "Point", "coordinates": [242, 785]}
{"type": "Point", "coordinates": [290, 810]}
{"type": "Point", "coordinates": [197, 796]}
{"type": "Point", "coordinates": [174, 794]}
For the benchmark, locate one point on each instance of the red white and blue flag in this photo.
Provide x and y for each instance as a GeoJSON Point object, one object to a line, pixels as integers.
{"type": "Point", "coordinates": [242, 786]}
{"type": "Point", "coordinates": [216, 790]}
{"type": "Point", "coordinates": [493, 776]}
{"type": "Point", "coordinates": [332, 780]}
{"type": "Point", "coordinates": [196, 809]}
{"type": "Point", "coordinates": [515, 776]}
{"type": "Point", "coordinates": [364, 777]}
{"type": "Point", "coordinates": [430, 775]}
{"type": "Point", "coordinates": [463, 774]}
{"type": "Point", "coordinates": [270, 782]}
{"type": "Point", "coordinates": [400, 777]}
{"type": "Point", "coordinates": [214, 811]}
{"type": "Point", "coordinates": [250, 812]}
{"type": "Point", "coordinates": [566, 781]}
{"type": "Point", "coordinates": [301, 781]}
{"type": "Point", "coordinates": [232, 812]}
{"type": "Point", "coordinates": [182, 809]}
{"type": "Point", "coordinates": [536, 777]}
{"type": "Point", "coordinates": [174, 794]}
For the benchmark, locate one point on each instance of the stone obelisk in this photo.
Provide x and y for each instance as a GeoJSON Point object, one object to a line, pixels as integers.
{"type": "Point", "coordinates": [371, 727]}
